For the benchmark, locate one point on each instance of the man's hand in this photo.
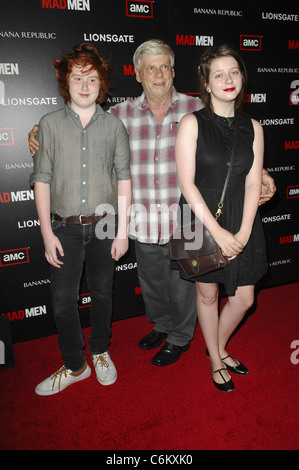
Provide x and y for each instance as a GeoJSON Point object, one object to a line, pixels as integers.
{"type": "Point", "coordinates": [268, 188]}
{"type": "Point", "coordinates": [33, 143]}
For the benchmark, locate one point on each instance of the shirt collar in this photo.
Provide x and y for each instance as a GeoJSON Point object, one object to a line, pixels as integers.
{"type": "Point", "coordinates": [143, 101]}
{"type": "Point", "coordinates": [69, 110]}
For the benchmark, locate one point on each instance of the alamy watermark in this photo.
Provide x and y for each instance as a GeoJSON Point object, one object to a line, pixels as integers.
{"type": "Point", "coordinates": [145, 220]}
{"type": "Point", "coordinates": [2, 352]}
{"type": "Point", "coordinates": [295, 354]}
{"type": "Point", "coordinates": [295, 94]}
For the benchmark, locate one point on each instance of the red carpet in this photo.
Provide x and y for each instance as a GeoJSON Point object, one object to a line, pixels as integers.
{"type": "Point", "coordinates": [169, 408]}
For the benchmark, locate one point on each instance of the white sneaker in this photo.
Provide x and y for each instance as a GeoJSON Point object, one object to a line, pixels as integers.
{"type": "Point", "coordinates": [105, 369]}
{"type": "Point", "coordinates": [61, 380]}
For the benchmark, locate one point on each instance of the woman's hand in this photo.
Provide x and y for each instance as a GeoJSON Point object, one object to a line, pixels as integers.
{"type": "Point", "coordinates": [230, 245]}
{"type": "Point", "coordinates": [242, 237]}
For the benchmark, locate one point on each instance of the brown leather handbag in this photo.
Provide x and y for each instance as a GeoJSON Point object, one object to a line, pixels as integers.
{"type": "Point", "coordinates": [193, 247]}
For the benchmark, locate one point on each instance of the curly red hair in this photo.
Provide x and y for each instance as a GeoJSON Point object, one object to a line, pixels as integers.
{"type": "Point", "coordinates": [84, 55]}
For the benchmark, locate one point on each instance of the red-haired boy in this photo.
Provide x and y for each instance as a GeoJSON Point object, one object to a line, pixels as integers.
{"type": "Point", "coordinates": [82, 164]}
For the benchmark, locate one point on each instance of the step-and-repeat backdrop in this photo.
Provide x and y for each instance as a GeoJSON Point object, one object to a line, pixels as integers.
{"type": "Point", "coordinates": [33, 32]}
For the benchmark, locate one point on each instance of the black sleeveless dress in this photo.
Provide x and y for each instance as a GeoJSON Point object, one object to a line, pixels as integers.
{"type": "Point", "coordinates": [214, 147]}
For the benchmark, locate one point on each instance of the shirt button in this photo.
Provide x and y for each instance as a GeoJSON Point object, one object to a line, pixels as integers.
{"type": "Point", "coordinates": [83, 200]}
{"type": "Point", "coordinates": [84, 166]}
{"type": "Point", "coordinates": [84, 148]}
{"type": "Point", "coordinates": [84, 182]}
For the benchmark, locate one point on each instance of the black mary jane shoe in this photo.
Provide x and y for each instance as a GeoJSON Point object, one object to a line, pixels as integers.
{"type": "Point", "coordinates": [239, 368]}
{"type": "Point", "coordinates": [226, 386]}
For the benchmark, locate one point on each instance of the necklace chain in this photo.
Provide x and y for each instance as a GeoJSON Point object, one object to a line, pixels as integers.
{"type": "Point", "coordinates": [230, 121]}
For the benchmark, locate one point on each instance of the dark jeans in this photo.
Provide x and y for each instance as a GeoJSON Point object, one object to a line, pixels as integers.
{"type": "Point", "coordinates": [81, 245]}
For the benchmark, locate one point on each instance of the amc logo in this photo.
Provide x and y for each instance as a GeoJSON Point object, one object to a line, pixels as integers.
{"type": "Point", "coordinates": [84, 300]}
{"type": "Point", "coordinates": [140, 9]}
{"type": "Point", "coordinates": [292, 191]}
{"type": "Point", "coordinates": [6, 136]}
{"type": "Point", "coordinates": [16, 256]}
{"type": "Point", "coordinates": [250, 43]}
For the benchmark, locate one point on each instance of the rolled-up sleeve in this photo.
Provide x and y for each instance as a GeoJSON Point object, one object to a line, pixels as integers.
{"type": "Point", "coordinates": [42, 159]}
{"type": "Point", "coordinates": [122, 153]}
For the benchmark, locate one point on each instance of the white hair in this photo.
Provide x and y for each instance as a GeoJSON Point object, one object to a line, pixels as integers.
{"type": "Point", "coordinates": [155, 47]}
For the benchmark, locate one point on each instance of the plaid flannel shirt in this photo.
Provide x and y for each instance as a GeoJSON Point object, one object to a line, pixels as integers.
{"type": "Point", "coordinates": [152, 162]}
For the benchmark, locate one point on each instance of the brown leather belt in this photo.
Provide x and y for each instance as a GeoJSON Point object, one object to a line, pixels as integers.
{"type": "Point", "coordinates": [80, 219]}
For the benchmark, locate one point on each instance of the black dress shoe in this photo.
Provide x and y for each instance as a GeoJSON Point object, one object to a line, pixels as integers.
{"type": "Point", "coordinates": [168, 354]}
{"type": "Point", "coordinates": [239, 368]}
{"type": "Point", "coordinates": [152, 340]}
{"type": "Point", "coordinates": [225, 386]}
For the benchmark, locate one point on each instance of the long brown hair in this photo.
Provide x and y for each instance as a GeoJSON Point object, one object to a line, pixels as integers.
{"type": "Point", "coordinates": [204, 72]}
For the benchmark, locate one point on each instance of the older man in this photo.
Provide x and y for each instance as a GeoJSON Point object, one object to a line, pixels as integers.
{"type": "Point", "coordinates": [152, 121]}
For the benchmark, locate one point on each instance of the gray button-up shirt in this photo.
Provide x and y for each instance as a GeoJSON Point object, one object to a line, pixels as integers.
{"type": "Point", "coordinates": [82, 165]}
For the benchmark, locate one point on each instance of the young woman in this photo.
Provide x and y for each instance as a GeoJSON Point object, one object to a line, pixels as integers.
{"type": "Point", "coordinates": [203, 150]}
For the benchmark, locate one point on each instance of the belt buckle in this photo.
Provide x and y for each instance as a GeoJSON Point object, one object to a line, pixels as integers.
{"type": "Point", "coordinates": [80, 220]}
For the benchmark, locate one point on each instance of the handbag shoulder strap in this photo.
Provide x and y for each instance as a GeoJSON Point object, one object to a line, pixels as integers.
{"type": "Point", "coordinates": [220, 204]}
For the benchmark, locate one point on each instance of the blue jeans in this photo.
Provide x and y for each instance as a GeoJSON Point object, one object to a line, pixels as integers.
{"type": "Point", "coordinates": [80, 246]}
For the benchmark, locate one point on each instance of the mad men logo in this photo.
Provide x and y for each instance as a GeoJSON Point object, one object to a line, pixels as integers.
{"type": "Point", "coordinates": [16, 256]}
{"type": "Point", "coordinates": [291, 145]}
{"type": "Point", "coordinates": [18, 196]}
{"type": "Point", "coordinates": [6, 136]}
{"type": "Point", "coordinates": [9, 69]}
{"type": "Point", "coordinates": [26, 313]}
{"type": "Point", "coordinates": [256, 98]}
{"type": "Point", "coordinates": [139, 9]}
{"type": "Point", "coordinates": [289, 239]}
{"type": "Point", "coordinates": [293, 44]}
{"type": "Point", "coordinates": [129, 69]}
{"type": "Point", "coordinates": [81, 5]}
{"type": "Point", "coordinates": [250, 43]}
{"type": "Point", "coordinates": [191, 40]}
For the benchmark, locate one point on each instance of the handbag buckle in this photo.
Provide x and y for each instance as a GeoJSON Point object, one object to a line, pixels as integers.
{"type": "Point", "coordinates": [219, 211]}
